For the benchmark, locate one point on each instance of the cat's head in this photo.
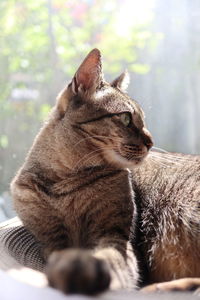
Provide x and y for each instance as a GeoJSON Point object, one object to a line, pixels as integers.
{"type": "Point", "coordinates": [98, 122]}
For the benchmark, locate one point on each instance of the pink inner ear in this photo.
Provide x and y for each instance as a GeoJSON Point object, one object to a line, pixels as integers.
{"type": "Point", "coordinates": [84, 79]}
{"type": "Point", "coordinates": [89, 73]}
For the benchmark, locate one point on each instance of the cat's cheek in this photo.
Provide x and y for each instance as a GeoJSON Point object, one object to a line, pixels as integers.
{"type": "Point", "coordinates": [117, 160]}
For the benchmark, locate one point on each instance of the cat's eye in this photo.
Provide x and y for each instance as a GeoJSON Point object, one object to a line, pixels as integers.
{"type": "Point", "coordinates": [126, 119]}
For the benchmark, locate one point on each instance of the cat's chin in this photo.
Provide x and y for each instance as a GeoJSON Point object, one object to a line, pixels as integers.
{"type": "Point", "coordinates": [117, 160]}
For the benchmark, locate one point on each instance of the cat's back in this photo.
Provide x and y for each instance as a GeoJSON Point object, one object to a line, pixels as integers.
{"type": "Point", "coordinates": [168, 196]}
{"type": "Point", "coordinates": [168, 176]}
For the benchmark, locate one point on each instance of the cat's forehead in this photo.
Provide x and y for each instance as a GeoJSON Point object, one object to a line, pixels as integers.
{"type": "Point", "coordinates": [114, 101]}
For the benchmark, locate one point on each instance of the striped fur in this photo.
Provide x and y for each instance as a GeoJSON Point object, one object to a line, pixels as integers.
{"type": "Point", "coordinates": [75, 194]}
{"type": "Point", "coordinates": [167, 188]}
{"type": "Point", "coordinates": [74, 191]}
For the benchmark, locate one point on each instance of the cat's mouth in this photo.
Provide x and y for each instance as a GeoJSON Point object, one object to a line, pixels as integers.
{"type": "Point", "coordinates": [128, 156]}
{"type": "Point", "coordinates": [135, 157]}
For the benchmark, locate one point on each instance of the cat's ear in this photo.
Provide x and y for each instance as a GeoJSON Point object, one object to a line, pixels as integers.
{"type": "Point", "coordinates": [121, 81]}
{"type": "Point", "coordinates": [88, 77]}
{"type": "Point", "coordinates": [86, 80]}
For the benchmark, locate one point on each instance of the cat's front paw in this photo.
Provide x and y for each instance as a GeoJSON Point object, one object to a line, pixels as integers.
{"type": "Point", "coordinates": [77, 271]}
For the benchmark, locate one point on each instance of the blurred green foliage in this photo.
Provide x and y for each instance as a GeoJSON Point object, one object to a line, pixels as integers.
{"type": "Point", "coordinates": [42, 44]}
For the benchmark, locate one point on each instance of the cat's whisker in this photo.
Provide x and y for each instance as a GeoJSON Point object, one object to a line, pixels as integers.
{"type": "Point", "coordinates": [164, 159]}
{"type": "Point", "coordinates": [172, 157]}
{"type": "Point", "coordinates": [129, 157]}
{"type": "Point", "coordinates": [88, 154]}
{"type": "Point", "coordinates": [92, 157]}
{"type": "Point", "coordinates": [161, 163]}
{"type": "Point", "coordinates": [93, 136]}
{"type": "Point", "coordinates": [167, 162]}
{"type": "Point", "coordinates": [156, 149]}
{"type": "Point", "coordinates": [84, 139]}
{"type": "Point", "coordinates": [175, 156]}
{"type": "Point", "coordinates": [160, 156]}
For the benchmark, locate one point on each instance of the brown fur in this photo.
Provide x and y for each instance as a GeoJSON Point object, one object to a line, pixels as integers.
{"type": "Point", "coordinates": [76, 195]}
{"type": "Point", "coordinates": [74, 189]}
{"type": "Point", "coordinates": [168, 197]}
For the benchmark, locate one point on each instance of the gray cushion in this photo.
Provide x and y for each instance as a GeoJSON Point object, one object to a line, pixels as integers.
{"type": "Point", "coordinates": [18, 247]}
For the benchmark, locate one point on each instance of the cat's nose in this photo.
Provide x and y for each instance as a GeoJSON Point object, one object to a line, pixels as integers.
{"type": "Point", "coordinates": [147, 139]}
{"type": "Point", "coordinates": [149, 144]}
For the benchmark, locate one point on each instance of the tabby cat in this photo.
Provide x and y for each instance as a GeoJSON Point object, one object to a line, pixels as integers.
{"type": "Point", "coordinates": [87, 181]}
{"type": "Point", "coordinates": [74, 191]}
